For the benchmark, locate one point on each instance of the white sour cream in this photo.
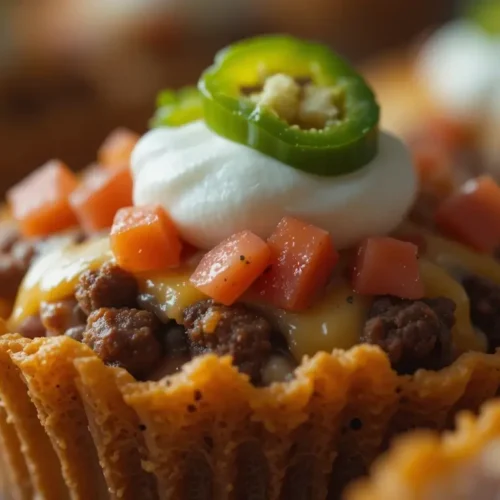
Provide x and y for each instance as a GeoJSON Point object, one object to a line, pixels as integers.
{"type": "Point", "coordinates": [213, 188]}
{"type": "Point", "coordinates": [460, 66]}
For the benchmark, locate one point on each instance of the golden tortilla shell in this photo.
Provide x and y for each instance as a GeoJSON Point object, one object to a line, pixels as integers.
{"type": "Point", "coordinates": [206, 432]}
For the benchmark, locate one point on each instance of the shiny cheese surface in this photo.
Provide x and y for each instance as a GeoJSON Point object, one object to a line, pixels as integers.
{"type": "Point", "coordinates": [334, 321]}
{"type": "Point", "coordinates": [55, 275]}
{"type": "Point", "coordinates": [456, 257]}
{"type": "Point", "coordinates": [172, 290]}
{"type": "Point", "coordinates": [438, 283]}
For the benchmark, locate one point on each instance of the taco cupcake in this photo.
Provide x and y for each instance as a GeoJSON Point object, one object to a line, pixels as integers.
{"type": "Point", "coordinates": [445, 88]}
{"type": "Point", "coordinates": [464, 463]}
{"type": "Point", "coordinates": [242, 304]}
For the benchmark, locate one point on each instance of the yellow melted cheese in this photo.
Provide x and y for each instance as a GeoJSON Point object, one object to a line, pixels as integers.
{"type": "Point", "coordinates": [438, 283]}
{"type": "Point", "coordinates": [55, 275]}
{"type": "Point", "coordinates": [172, 290]}
{"type": "Point", "coordinates": [452, 255]}
{"type": "Point", "coordinates": [335, 321]}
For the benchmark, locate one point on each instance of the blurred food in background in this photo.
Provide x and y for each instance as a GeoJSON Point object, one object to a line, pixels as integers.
{"type": "Point", "coordinates": [445, 89]}
{"type": "Point", "coordinates": [71, 70]}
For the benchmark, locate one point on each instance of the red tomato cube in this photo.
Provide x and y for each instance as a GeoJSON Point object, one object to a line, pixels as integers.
{"type": "Point", "coordinates": [100, 195]}
{"type": "Point", "coordinates": [117, 148]}
{"type": "Point", "coordinates": [40, 202]}
{"type": "Point", "coordinates": [386, 266]}
{"type": "Point", "coordinates": [433, 163]}
{"type": "Point", "coordinates": [228, 270]}
{"type": "Point", "coordinates": [145, 239]}
{"type": "Point", "coordinates": [302, 260]}
{"type": "Point", "coordinates": [472, 215]}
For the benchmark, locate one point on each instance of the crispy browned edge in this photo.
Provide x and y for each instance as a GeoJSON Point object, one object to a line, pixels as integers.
{"type": "Point", "coordinates": [115, 428]}
{"type": "Point", "coordinates": [39, 455]}
{"type": "Point", "coordinates": [404, 472]}
{"type": "Point", "coordinates": [16, 478]}
{"type": "Point", "coordinates": [206, 432]}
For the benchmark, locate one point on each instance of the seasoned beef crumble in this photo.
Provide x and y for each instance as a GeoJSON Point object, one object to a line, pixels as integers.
{"type": "Point", "coordinates": [125, 337]}
{"type": "Point", "coordinates": [414, 333]}
{"type": "Point", "coordinates": [132, 331]}
{"type": "Point", "coordinates": [60, 317]}
{"type": "Point", "coordinates": [32, 327]}
{"type": "Point", "coordinates": [237, 330]}
{"type": "Point", "coordinates": [110, 286]}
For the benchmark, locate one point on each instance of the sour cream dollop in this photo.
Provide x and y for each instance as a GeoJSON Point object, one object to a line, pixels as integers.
{"type": "Point", "coordinates": [213, 188]}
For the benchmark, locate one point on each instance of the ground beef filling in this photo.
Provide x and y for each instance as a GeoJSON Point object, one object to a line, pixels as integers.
{"type": "Point", "coordinates": [130, 330]}
{"type": "Point", "coordinates": [237, 331]}
{"type": "Point", "coordinates": [32, 327]}
{"type": "Point", "coordinates": [125, 337]}
{"type": "Point", "coordinates": [484, 296]}
{"type": "Point", "coordinates": [63, 318]}
{"type": "Point", "coordinates": [110, 286]}
{"type": "Point", "coordinates": [414, 333]}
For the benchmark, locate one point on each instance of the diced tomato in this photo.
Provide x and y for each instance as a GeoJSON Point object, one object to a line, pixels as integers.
{"type": "Point", "coordinates": [100, 195]}
{"type": "Point", "coordinates": [417, 239]}
{"type": "Point", "coordinates": [229, 269]}
{"type": "Point", "coordinates": [115, 151]}
{"type": "Point", "coordinates": [302, 260]}
{"type": "Point", "coordinates": [453, 134]}
{"type": "Point", "coordinates": [145, 239]}
{"type": "Point", "coordinates": [40, 202]}
{"type": "Point", "coordinates": [89, 171]}
{"type": "Point", "coordinates": [472, 215]}
{"type": "Point", "coordinates": [434, 167]}
{"type": "Point", "coordinates": [386, 266]}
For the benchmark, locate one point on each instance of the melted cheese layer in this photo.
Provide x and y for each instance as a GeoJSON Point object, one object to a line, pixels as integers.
{"type": "Point", "coordinates": [333, 322]}
{"type": "Point", "coordinates": [55, 275]}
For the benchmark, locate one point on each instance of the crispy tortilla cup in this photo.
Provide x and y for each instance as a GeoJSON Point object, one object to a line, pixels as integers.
{"type": "Point", "coordinates": [206, 432]}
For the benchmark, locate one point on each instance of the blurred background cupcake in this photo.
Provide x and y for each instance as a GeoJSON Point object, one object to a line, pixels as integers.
{"type": "Point", "coordinates": [446, 85]}
{"type": "Point", "coordinates": [465, 463]}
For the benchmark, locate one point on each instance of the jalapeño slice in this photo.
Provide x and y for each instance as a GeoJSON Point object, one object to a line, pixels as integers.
{"type": "Point", "coordinates": [294, 100]}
